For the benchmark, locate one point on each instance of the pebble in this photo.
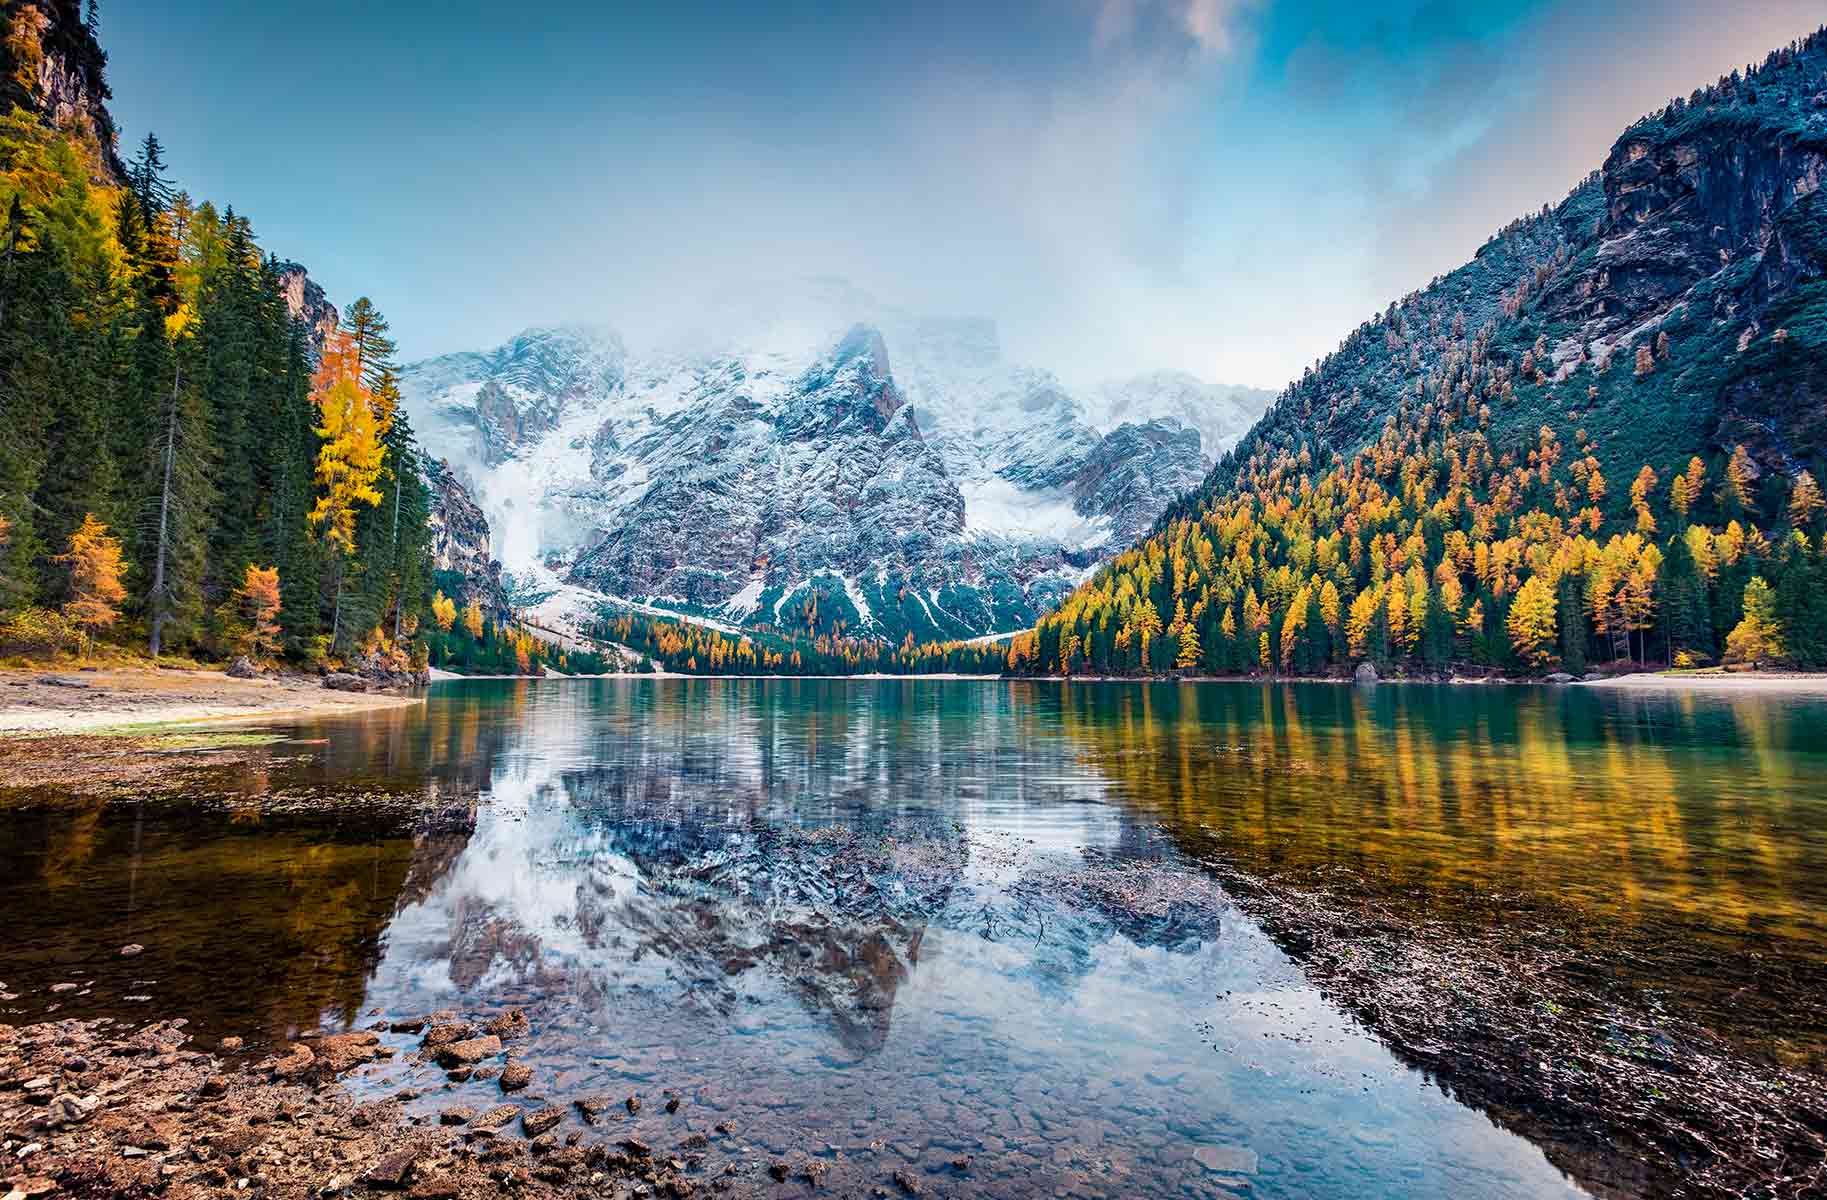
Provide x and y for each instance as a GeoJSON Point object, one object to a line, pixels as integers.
{"type": "Point", "coordinates": [131, 949]}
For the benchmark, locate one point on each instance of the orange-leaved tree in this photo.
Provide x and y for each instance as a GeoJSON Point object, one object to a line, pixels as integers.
{"type": "Point", "coordinates": [259, 601]}
{"type": "Point", "coordinates": [94, 558]}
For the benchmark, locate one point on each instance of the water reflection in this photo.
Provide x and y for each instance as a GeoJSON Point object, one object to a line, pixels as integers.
{"type": "Point", "coordinates": [917, 920]}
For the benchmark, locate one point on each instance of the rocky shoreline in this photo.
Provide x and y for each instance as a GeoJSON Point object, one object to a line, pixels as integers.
{"type": "Point", "coordinates": [1621, 1090]}
{"type": "Point", "coordinates": [97, 1109]}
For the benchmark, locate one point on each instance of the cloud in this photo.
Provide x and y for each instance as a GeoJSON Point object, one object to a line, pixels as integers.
{"type": "Point", "coordinates": [1208, 25]}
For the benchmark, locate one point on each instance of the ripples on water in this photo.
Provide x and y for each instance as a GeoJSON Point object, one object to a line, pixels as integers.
{"type": "Point", "coordinates": [899, 923]}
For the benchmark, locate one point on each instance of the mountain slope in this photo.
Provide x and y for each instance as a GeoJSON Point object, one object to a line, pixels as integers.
{"type": "Point", "coordinates": [1673, 306]}
{"type": "Point", "coordinates": [806, 484]}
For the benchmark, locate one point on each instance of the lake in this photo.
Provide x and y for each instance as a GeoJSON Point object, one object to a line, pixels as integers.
{"type": "Point", "coordinates": [971, 930]}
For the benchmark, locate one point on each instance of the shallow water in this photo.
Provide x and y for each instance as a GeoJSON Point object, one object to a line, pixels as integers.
{"type": "Point", "coordinates": [895, 923]}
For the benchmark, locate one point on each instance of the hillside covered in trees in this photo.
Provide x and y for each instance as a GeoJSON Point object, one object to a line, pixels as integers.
{"type": "Point", "coordinates": [1599, 440]}
{"type": "Point", "coordinates": [202, 457]}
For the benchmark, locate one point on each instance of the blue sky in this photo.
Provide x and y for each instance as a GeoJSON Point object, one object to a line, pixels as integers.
{"type": "Point", "coordinates": [1220, 186]}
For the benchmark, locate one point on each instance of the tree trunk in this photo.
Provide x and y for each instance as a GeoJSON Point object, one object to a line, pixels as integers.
{"type": "Point", "coordinates": [336, 607]}
{"type": "Point", "coordinates": [159, 553]}
{"type": "Point", "coordinates": [399, 584]}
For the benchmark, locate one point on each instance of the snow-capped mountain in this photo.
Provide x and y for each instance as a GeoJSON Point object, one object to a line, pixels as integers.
{"type": "Point", "coordinates": [898, 477]}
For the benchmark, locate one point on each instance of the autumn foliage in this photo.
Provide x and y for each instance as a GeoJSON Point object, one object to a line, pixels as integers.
{"type": "Point", "coordinates": [94, 559]}
{"type": "Point", "coordinates": [351, 423]}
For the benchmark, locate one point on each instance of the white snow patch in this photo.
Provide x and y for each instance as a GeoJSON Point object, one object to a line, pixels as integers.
{"type": "Point", "coordinates": [784, 597]}
{"type": "Point", "coordinates": [745, 602]}
{"type": "Point", "coordinates": [858, 602]}
{"type": "Point", "coordinates": [997, 508]}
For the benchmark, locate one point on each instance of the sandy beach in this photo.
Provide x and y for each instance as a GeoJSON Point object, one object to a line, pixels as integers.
{"type": "Point", "coordinates": [1748, 683]}
{"type": "Point", "coordinates": [71, 700]}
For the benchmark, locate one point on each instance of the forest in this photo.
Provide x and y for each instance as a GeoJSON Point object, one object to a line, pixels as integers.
{"type": "Point", "coordinates": [197, 465]}
{"type": "Point", "coordinates": [1433, 550]}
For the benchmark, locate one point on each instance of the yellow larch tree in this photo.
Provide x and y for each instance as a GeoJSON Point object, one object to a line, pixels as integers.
{"type": "Point", "coordinates": [443, 611]}
{"type": "Point", "coordinates": [1531, 623]}
{"type": "Point", "coordinates": [1757, 638]}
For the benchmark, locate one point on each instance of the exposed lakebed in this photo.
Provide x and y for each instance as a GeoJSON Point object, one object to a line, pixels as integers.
{"type": "Point", "coordinates": [987, 935]}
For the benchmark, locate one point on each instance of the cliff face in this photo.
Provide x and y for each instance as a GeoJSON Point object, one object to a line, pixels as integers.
{"type": "Point", "coordinates": [460, 540]}
{"type": "Point", "coordinates": [1701, 242]}
{"type": "Point", "coordinates": [307, 303]}
{"type": "Point", "coordinates": [55, 67]}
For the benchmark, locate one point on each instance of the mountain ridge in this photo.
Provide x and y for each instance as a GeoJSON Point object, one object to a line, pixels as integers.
{"type": "Point", "coordinates": [935, 490]}
{"type": "Point", "coordinates": [1665, 324]}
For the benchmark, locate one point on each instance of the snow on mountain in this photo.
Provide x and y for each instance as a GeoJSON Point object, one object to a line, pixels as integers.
{"type": "Point", "coordinates": [894, 477]}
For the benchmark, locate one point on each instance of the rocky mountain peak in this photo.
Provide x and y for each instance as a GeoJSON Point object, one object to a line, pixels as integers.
{"type": "Point", "coordinates": [853, 382]}
{"type": "Point", "coordinates": [897, 477]}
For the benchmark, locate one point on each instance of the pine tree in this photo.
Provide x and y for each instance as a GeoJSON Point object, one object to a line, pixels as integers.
{"type": "Point", "coordinates": [367, 330]}
{"type": "Point", "coordinates": [1572, 609]}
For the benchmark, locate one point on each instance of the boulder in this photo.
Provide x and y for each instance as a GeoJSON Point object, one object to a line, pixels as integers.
{"type": "Point", "coordinates": [342, 681]}
{"type": "Point", "coordinates": [469, 1052]}
{"type": "Point", "coordinates": [1559, 677]}
{"type": "Point", "coordinates": [69, 1110]}
{"type": "Point", "coordinates": [243, 668]}
{"type": "Point", "coordinates": [342, 1052]}
{"type": "Point", "coordinates": [1366, 673]}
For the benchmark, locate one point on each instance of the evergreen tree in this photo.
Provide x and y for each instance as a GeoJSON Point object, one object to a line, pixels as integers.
{"type": "Point", "coordinates": [1687, 622]}
{"type": "Point", "coordinates": [1572, 607]}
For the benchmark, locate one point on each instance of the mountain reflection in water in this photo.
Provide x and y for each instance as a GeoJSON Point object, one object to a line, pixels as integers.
{"type": "Point", "coordinates": [922, 919]}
